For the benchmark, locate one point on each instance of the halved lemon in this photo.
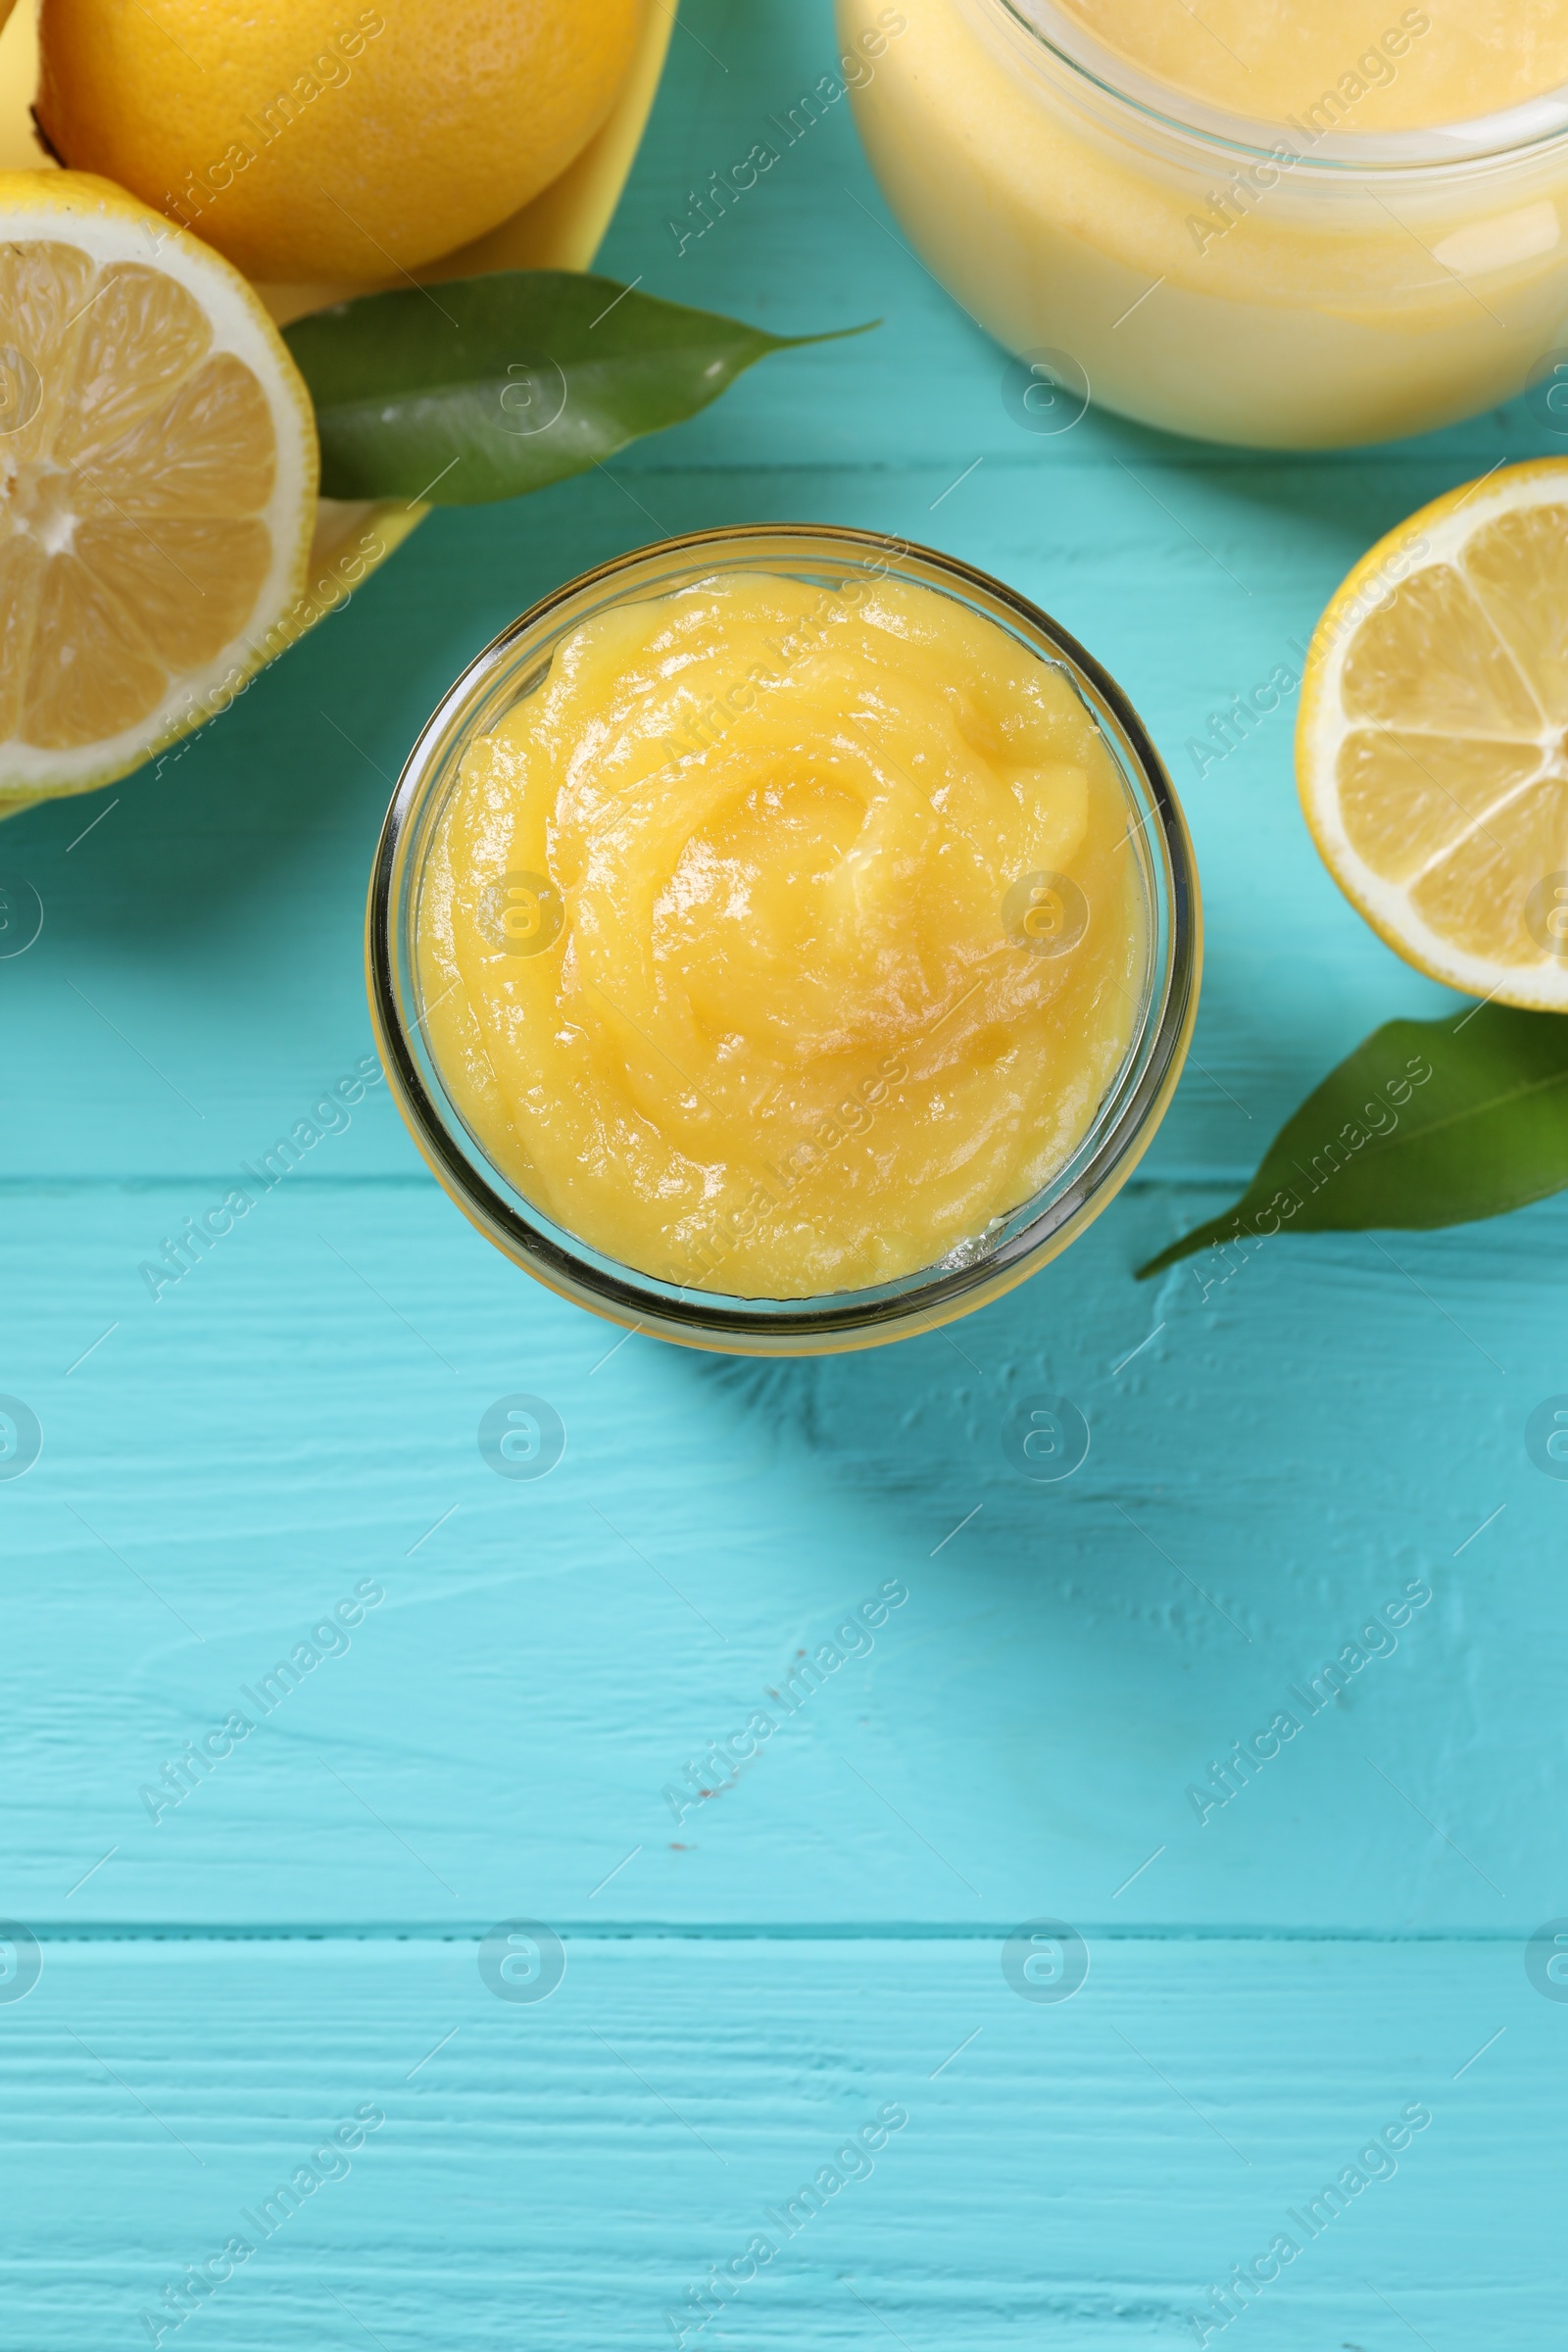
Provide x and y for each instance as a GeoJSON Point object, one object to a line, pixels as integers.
{"type": "Point", "coordinates": [158, 473]}
{"type": "Point", "coordinates": [1432, 744]}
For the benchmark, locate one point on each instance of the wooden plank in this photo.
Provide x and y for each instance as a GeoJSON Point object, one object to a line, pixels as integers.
{"type": "Point", "coordinates": [562, 2172]}
{"type": "Point", "coordinates": [1270, 1464]}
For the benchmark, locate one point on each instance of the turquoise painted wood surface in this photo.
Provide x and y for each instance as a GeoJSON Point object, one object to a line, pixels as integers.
{"type": "Point", "coordinates": [754, 1974]}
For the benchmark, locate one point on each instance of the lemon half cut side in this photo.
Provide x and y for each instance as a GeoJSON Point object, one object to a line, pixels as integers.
{"type": "Point", "coordinates": [1432, 744]}
{"type": "Point", "coordinates": [158, 478]}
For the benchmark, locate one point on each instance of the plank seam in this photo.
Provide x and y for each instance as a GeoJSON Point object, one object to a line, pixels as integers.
{"type": "Point", "coordinates": [740, 1931]}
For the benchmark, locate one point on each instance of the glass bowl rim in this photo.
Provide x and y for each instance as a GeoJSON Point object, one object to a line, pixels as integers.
{"type": "Point", "coordinates": [704, 1318]}
{"type": "Point", "coordinates": [1531, 128]}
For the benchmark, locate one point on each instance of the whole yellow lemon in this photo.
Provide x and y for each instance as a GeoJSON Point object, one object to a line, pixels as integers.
{"type": "Point", "coordinates": [311, 139]}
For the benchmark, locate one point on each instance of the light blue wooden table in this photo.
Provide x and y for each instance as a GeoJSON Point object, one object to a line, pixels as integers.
{"type": "Point", "coordinates": [754, 1977]}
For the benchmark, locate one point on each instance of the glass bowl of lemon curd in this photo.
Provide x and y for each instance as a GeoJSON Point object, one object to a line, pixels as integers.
{"type": "Point", "coordinates": [1314, 223]}
{"type": "Point", "coordinates": [783, 940]}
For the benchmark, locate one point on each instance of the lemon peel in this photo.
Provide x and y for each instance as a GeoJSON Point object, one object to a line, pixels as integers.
{"type": "Point", "coordinates": [344, 145]}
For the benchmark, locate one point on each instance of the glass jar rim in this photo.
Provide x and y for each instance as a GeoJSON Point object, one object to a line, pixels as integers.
{"type": "Point", "coordinates": [1534, 124]}
{"type": "Point", "coordinates": [570, 1266]}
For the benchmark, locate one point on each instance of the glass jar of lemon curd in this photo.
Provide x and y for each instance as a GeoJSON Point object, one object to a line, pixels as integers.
{"type": "Point", "coordinates": [1320, 223]}
{"type": "Point", "coordinates": [783, 940]}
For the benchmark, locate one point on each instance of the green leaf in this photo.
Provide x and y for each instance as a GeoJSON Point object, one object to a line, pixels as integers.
{"type": "Point", "coordinates": [485, 387]}
{"type": "Point", "coordinates": [1484, 1130]}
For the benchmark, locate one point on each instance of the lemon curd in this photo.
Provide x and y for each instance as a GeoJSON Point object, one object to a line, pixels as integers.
{"type": "Point", "coordinates": [1286, 223]}
{"type": "Point", "coordinates": [1399, 69]}
{"type": "Point", "coordinates": [783, 937]}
